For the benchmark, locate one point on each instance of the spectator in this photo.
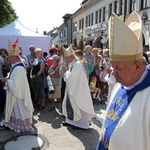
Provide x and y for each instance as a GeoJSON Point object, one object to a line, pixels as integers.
{"type": "Point", "coordinates": [23, 58]}
{"type": "Point", "coordinates": [7, 65]}
{"type": "Point", "coordinates": [59, 72]}
{"type": "Point", "coordinates": [2, 92]}
{"type": "Point", "coordinates": [148, 54]}
{"type": "Point", "coordinates": [79, 54]}
{"type": "Point", "coordinates": [30, 58]}
{"type": "Point", "coordinates": [55, 80]}
{"type": "Point", "coordinates": [45, 55]}
{"type": "Point", "coordinates": [53, 50]}
{"type": "Point", "coordinates": [96, 69]}
{"type": "Point", "coordinates": [105, 65]}
{"type": "Point", "coordinates": [37, 78]}
{"type": "Point", "coordinates": [90, 58]}
{"type": "Point", "coordinates": [94, 90]}
{"type": "Point", "coordinates": [145, 55]}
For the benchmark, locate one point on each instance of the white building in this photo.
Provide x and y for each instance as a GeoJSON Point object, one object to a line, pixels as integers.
{"type": "Point", "coordinates": [90, 22]}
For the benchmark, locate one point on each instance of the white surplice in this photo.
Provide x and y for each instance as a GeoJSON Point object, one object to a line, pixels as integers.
{"type": "Point", "coordinates": [78, 91]}
{"type": "Point", "coordinates": [133, 129]}
{"type": "Point", "coordinates": [19, 108]}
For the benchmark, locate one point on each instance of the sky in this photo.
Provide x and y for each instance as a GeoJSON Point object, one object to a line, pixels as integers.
{"type": "Point", "coordinates": [43, 15]}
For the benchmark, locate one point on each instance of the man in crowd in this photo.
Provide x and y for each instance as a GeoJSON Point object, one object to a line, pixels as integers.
{"type": "Point", "coordinates": [30, 58]}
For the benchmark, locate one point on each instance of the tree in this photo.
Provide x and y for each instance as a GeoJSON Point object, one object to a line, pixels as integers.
{"type": "Point", "coordinates": [7, 13]}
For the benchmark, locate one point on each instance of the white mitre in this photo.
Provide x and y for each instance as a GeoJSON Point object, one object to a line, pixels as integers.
{"type": "Point", "coordinates": [125, 39]}
{"type": "Point", "coordinates": [13, 49]}
{"type": "Point", "coordinates": [69, 51]}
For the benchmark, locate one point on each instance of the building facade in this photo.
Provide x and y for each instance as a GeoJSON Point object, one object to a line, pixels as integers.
{"type": "Point", "coordinates": [96, 15]}
{"type": "Point", "coordinates": [89, 24]}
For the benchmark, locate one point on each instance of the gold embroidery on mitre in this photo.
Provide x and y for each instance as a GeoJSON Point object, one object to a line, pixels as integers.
{"type": "Point", "coordinates": [125, 58]}
{"type": "Point", "coordinates": [112, 33]}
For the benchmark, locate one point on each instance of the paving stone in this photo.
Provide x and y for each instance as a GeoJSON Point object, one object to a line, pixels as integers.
{"type": "Point", "coordinates": [48, 126]}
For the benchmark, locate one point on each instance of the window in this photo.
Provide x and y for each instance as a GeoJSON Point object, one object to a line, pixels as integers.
{"type": "Point", "coordinates": [110, 10]}
{"type": "Point", "coordinates": [86, 21]}
{"type": "Point", "coordinates": [82, 23]}
{"type": "Point", "coordinates": [132, 5]}
{"type": "Point", "coordinates": [61, 35]}
{"type": "Point", "coordinates": [121, 7]}
{"type": "Point", "coordinates": [92, 19]}
{"type": "Point", "coordinates": [144, 4]}
{"type": "Point", "coordinates": [96, 17]}
{"type": "Point", "coordinates": [103, 13]}
{"type": "Point", "coordinates": [115, 7]}
{"type": "Point", "coordinates": [89, 23]}
{"type": "Point", "coordinates": [125, 8]}
{"type": "Point", "coordinates": [64, 33]}
{"type": "Point", "coordinates": [100, 13]}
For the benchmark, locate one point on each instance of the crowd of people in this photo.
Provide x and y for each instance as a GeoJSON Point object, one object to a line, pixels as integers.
{"type": "Point", "coordinates": [119, 73]}
{"type": "Point", "coordinates": [39, 64]}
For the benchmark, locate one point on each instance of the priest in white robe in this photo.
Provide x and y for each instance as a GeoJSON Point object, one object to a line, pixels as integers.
{"type": "Point", "coordinates": [19, 108]}
{"type": "Point", "coordinates": [77, 104]}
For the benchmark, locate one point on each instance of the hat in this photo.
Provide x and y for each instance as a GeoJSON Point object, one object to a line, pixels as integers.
{"type": "Point", "coordinates": [53, 48]}
{"type": "Point", "coordinates": [125, 39]}
{"type": "Point", "coordinates": [69, 51]}
{"type": "Point", "coordinates": [54, 57]}
{"type": "Point", "coordinates": [13, 49]}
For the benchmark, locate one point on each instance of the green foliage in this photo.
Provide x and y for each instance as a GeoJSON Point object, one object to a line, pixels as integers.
{"type": "Point", "coordinates": [7, 13]}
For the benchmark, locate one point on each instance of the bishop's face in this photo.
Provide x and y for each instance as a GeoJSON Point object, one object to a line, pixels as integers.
{"type": "Point", "coordinates": [13, 59]}
{"type": "Point", "coordinates": [69, 59]}
{"type": "Point", "coordinates": [124, 72]}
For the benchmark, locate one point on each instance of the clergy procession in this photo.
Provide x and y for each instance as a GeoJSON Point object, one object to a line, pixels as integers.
{"type": "Point", "coordinates": [117, 77]}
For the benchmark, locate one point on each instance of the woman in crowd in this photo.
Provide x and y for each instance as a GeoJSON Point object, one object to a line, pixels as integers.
{"type": "Point", "coordinates": [79, 54]}
{"type": "Point", "coordinates": [104, 65]}
{"type": "Point", "coordinates": [52, 51]}
{"type": "Point", "coordinates": [96, 71]}
{"type": "Point", "coordinates": [55, 80]}
{"type": "Point", "coordinates": [37, 78]}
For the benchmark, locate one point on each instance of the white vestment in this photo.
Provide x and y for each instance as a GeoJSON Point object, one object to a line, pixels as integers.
{"type": "Point", "coordinates": [133, 130]}
{"type": "Point", "coordinates": [78, 92]}
{"type": "Point", "coordinates": [18, 100]}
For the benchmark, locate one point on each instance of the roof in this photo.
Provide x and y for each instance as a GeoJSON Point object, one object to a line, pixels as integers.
{"type": "Point", "coordinates": [18, 29]}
